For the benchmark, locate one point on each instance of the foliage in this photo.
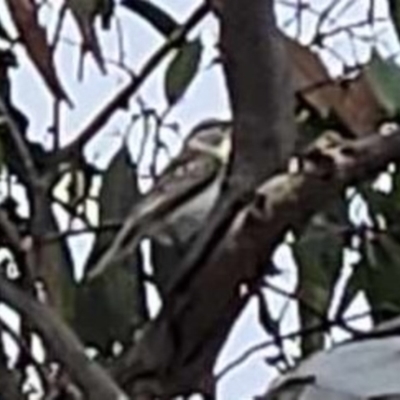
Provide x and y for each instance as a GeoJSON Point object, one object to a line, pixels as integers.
{"type": "Point", "coordinates": [114, 308]}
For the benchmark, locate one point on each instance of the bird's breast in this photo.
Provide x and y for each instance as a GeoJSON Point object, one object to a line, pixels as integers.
{"type": "Point", "coordinates": [188, 218]}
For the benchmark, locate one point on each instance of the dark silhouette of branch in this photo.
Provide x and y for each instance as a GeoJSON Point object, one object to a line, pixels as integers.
{"type": "Point", "coordinates": [62, 344]}
{"type": "Point", "coordinates": [262, 99]}
{"type": "Point", "coordinates": [204, 304]}
{"type": "Point", "coordinates": [106, 226]}
{"type": "Point", "coordinates": [24, 347]}
{"type": "Point", "coordinates": [309, 307]}
{"type": "Point", "coordinates": [19, 142]}
{"type": "Point", "coordinates": [121, 99]}
{"type": "Point", "coordinates": [11, 231]}
{"type": "Point", "coordinates": [241, 359]}
{"type": "Point", "coordinates": [9, 379]}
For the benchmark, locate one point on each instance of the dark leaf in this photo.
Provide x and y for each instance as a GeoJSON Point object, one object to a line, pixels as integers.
{"type": "Point", "coordinates": [12, 156]}
{"type": "Point", "coordinates": [106, 310]}
{"type": "Point", "coordinates": [386, 205]}
{"type": "Point", "coordinates": [112, 305]}
{"type": "Point", "coordinates": [319, 256]}
{"type": "Point", "coordinates": [384, 76]}
{"type": "Point", "coordinates": [265, 318]}
{"type": "Point", "coordinates": [53, 259]}
{"type": "Point", "coordinates": [165, 260]}
{"type": "Point", "coordinates": [182, 70]}
{"type": "Point", "coordinates": [106, 11]}
{"type": "Point", "coordinates": [118, 195]}
{"type": "Point", "coordinates": [157, 17]}
{"type": "Point", "coordinates": [380, 266]}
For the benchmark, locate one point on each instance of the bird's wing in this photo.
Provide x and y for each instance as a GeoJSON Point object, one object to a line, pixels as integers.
{"type": "Point", "coordinates": [187, 174]}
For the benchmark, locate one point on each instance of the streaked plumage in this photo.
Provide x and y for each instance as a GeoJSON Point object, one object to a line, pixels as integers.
{"type": "Point", "coordinates": [182, 197]}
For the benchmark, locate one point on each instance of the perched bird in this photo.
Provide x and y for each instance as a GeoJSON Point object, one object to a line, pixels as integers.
{"type": "Point", "coordinates": [177, 206]}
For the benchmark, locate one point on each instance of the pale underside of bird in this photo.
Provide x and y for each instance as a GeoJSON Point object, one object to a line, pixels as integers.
{"type": "Point", "coordinates": [177, 206]}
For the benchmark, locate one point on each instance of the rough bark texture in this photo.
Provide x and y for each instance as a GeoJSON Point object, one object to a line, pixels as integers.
{"type": "Point", "coordinates": [182, 343]}
{"type": "Point", "coordinates": [178, 349]}
{"type": "Point", "coordinates": [181, 346]}
{"type": "Point", "coordinates": [259, 82]}
{"type": "Point", "coordinates": [204, 307]}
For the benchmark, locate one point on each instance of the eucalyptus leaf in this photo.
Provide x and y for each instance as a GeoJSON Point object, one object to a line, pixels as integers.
{"type": "Point", "coordinates": [384, 78]}
{"type": "Point", "coordinates": [380, 266]}
{"type": "Point", "coordinates": [182, 70]}
{"type": "Point", "coordinates": [111, 306]}
{"type": "Point", "coordinates": [319, 257]}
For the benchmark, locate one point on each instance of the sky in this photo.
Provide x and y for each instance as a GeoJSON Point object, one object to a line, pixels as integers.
{"type": "Point", "coordinates": [206, 98]}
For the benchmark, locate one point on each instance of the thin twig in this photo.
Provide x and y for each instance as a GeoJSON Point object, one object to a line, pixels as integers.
{"type": "Point", "coordinates": [59, 26]}
{"type": "Point", "coordinates": [55, 128]}
{"type": "Point", "coordinates": [62, 343]}
{"type": "Point", "coordinates": [120, 42]}
{"type": "Point", "coordinates": [289, 336]}
{"type": "Point", "coordinates": [23, 346]}
{"type": "Point", "coordinates": [325, 15]}
{"type": "Point", "coordinates": [307, 306]}
{"type": "Point", "coordinates": [123, 96]}
{"type": "Point", "coordinates": [106, 226]}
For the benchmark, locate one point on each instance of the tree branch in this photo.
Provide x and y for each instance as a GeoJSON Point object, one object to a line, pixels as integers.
{"type": "Point", "coordinates": [122, 97]}
{"type": "Point", "coordinates": [243, 357]}
{"type": "Point", "coordinates": [203, 305]}
{"type": "Point", "coordinates": [259, 83]}
{"type": "Point", "coordinates": [24, 347]}
{"type": "Point", "coordinates": [11, 231]}
{"type": "Point", "coordinates": [22, 148]}
{"type": "Point", "coordinates": [62, 343]}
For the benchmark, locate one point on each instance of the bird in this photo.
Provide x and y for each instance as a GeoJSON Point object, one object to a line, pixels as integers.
{"type": "Point", "coordinates": [182, 197]}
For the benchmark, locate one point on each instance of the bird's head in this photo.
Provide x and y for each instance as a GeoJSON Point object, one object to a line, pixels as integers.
{"type": "Point", "coordinates": [213, 137]}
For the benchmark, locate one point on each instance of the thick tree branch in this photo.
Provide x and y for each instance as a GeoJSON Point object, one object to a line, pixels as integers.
{"type": "Point", "coordinates": [259, 83]}
{"type": "Point", "coordinates": [191, 329]}
{"type": "Point", "coordinates": [262, 98]}
{"type": "Point", "coordinates": [63, 344]}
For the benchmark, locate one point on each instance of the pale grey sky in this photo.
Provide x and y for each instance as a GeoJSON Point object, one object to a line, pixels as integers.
{"type": "Point", "coordinates": [205, 98]}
